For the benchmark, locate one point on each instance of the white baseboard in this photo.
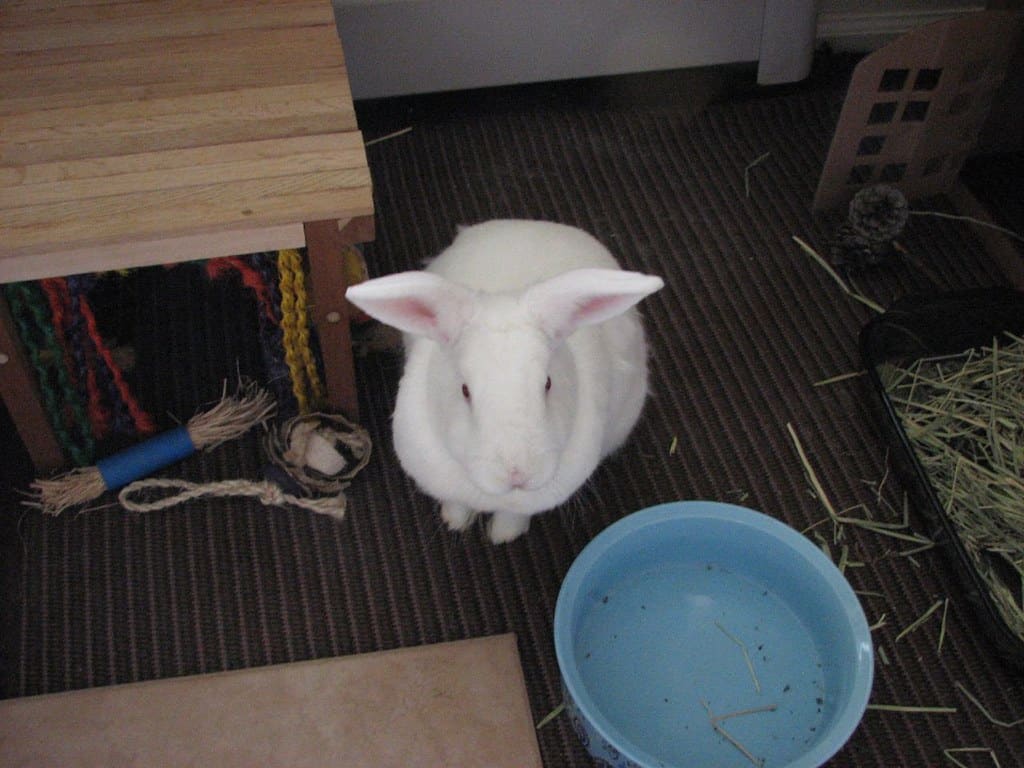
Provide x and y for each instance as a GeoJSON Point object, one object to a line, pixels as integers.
{"type": "Point", "coordinates": [868, 29]}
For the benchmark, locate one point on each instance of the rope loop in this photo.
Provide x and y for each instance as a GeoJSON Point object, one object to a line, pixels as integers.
{"type": "Point", "coordinates": [157, 493]}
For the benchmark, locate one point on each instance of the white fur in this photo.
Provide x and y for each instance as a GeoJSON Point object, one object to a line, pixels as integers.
{"type": "Point", "coordinates": [506, 306]}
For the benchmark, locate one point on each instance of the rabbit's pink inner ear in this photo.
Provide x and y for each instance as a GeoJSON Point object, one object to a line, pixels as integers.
{"type": "Point", "coordinates": [585, 297]}
{"type": "Point", "coordinates": [418, 312]}
{"type": "Point", "coordinates": [414, 302]}
{"type": "Point", "coordinates": [563, 316]}
{"type": "Point", "coordinates": [597, 306]}
{"type": "Point", "coordinates": [417, 316]}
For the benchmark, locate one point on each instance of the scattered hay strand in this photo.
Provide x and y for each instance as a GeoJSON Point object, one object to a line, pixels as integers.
{"type": "Point", "coordinates": [919, 621]}
{"type": "Point", "coordinates": [835, 276]}
{"type": "Point", "coordinates": [844, 558]}
{"type": "Point", "coordinates": [550, 716]}
{"type": "Point", "coordinates": [812, 526]}
{"type": "Point", "coordinates": [812, 476]}
{"type": "Point", "coordinates": [746, 655]}
{"type": "Point", "coordinates": [988, 715]}
{"type": "Point", "coordinates": [751, 165]}
{"type": "Point", "coordinates": [387, 137]}
{"type": "Point", "coordinates": [970, 220]}
{"type": "Point", "coordinates": [868, 593]}
{"type": "Point", "coordinates": [942, 626]}
{"type": "Point", "coordinates": [838, 378]}
{"type": "Point", "coordinates": [949, 753]}
{"type": "Point", "coordinates": [740, 494]}
{"type": "Point", "coordinates": [892, 530]}
{"type": "Point", "coordinates": [880, 650]}
{"type": "Point", "coordinates": [911, 710]}
{"type": "Point", "coordinates": [744, 712]}
{"type": "Point", "coordinates": [716, 723]}
{"type": "Point", "coordinates": [909, 553]}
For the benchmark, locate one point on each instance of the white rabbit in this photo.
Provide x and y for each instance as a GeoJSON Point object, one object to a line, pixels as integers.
{"type": "Point", "coordinates": [525, 366]}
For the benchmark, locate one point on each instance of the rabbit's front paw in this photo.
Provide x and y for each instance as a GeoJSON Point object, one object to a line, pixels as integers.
{"type": "Point", "coordinates": [456, 516]}
{"type": "Point", "coordinates": [506, 526]}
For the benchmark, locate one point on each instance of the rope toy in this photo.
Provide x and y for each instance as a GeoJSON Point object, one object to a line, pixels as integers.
{"type": "Point", "coordinates": [278, 283]}
{"type": "Point", "coordinates": [85, 392]}
{"type": "Point", "coordinates": [64, 408]}
{"type": "Point", "coordinates": [313, 458]}
{"type": "Point", "coordinates": [230, 418]}
{"type": "Point", "coordinates": [314, 453]}
{"type": "Point", "coordinates": [258, 273]}
{"type": "Point", "coordinates": [83, 387]}
{"type": "Point", "coordinates": [128, 415]}
{"type": "Point", "coordinates": [266, 492]}
{"type": "Point", "coordinates": [311, 454]}
{"type": "Point", "coordinates": [295, 324]}
{"type": "Point", "coordinates": [317, 453]}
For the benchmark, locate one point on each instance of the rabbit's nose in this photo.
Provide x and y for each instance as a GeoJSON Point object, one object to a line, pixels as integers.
{"type": "Point", "coordinates": [517, 478]}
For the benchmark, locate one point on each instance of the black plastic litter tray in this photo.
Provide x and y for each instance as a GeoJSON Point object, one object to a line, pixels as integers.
{"type": "Point", "coordinates": [918, 327]}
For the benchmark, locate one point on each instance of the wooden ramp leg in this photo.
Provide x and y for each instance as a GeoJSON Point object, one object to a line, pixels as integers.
{"type": "Point", "coordinates": [20, 392]}
{"type": "Point", "coordinates": [330, 313]}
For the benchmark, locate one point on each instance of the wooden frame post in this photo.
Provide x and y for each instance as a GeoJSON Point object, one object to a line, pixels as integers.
{"type": "Point", "coordinates": [330, 313]}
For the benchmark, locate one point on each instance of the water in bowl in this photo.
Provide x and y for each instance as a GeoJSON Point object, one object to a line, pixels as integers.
{"type": "Point", "coordinates": [671, 643]}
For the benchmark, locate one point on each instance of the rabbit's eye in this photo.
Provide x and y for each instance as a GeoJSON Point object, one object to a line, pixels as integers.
{"type": "Point", "coordinates": [547, 385]}
{"type": "Point", "coordinates": [465, 391]}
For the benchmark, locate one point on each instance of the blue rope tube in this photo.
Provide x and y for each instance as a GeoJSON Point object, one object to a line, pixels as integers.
{"type": "Point", "coordinates": [145, 458]}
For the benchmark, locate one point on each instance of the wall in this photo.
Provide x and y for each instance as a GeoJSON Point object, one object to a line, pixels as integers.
{"type": "Point", "coordinates": [397, 47]}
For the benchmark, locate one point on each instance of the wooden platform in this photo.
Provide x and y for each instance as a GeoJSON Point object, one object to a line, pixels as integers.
{"type": "Point", "coordinates": [460, 703]}
{"type": "Point", "coordinates": [149, 132]}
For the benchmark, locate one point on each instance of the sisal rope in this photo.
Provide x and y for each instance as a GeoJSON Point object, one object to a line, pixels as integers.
{"type": "Point", "coordinates": [267, 493]}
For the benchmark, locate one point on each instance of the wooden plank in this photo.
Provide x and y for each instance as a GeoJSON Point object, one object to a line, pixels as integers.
{"type": "Point", "coordinates": [24, 29]}
{"type": "Point", "coordinates": [347, 144]}
{"type": "Point", "coordinates": [249, 44]}
{"type": "Point", "coordinates": [77, 180]}
{"type": "Point", "coordinates": [245, 115]}
{"type": "Point", "coordinates": [77, 11]}
{"type": "Point", "coordinates": [258, 102]}
{"type": "Point", "coordinates": [246, 58]}
{"type": "Point", "coordinates": [460, 703]}
{"type": "Point", "coordinates": [231, 241]}
{"type": "Point", "coordinates": [107, 95]}
{"type": "Point", "coordinates": [27, 11]}
{"type": "Point", "coordinates": [251, 58]}
{"type": "Point", "coordinates": [40, 6]}
{"type": "Point", "coordinates": [167, 213]}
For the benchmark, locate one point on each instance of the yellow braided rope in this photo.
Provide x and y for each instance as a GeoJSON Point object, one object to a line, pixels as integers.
{"type": "Point", "coordinates": [298, 353]}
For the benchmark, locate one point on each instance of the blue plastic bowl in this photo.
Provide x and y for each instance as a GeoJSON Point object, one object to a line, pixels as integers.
{"type": "Point", "coordinates": [656, 621]}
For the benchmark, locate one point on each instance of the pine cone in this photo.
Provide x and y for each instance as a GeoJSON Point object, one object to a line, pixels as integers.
{"type": "Point", "coordinates": [878, 214]}
{"type": "Point", "coordinates": [849, 250]}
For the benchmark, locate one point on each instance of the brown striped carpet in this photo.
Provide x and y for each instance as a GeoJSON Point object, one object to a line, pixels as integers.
{"type": "Point", "coordinates": [744, 328]}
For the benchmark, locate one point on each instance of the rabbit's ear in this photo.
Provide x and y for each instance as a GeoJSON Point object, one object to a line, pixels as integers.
{"type": "Point", "coordinates": [585, 297]}
{"type": "Point", "coordinates": [415, 302]}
